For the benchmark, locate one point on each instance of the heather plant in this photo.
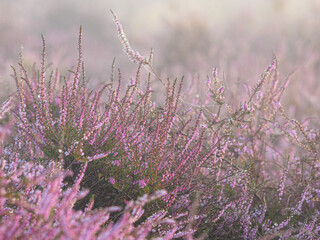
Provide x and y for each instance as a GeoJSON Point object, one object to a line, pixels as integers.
{"type": "Point", "coordinates": [75, 126]}
{"type": "Point", "coordinates": [247, 172]}
{"type": "Point", "coordinates": [131, 147]}
{"type": "Point", "coordinates": [267, 152]}
{"type": "Point", "coordinates": [33, 205]}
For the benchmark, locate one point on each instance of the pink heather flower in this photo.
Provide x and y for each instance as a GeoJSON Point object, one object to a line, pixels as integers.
{"type": "Point", "coordinates": [208, 81]}
{"type": "Point", "coordinates": [221, 90]}
{"type": "Point", "coordinates": [112, 180]}
{"type": "Point", "coordinates": [142, 183]}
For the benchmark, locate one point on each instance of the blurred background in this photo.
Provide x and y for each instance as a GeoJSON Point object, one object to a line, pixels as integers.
{"type": "Point", "coordinates": [189, 38]}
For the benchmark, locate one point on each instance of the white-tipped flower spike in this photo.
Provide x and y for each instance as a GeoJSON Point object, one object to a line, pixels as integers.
{"type": "Point", "coordinates": [134, 56]}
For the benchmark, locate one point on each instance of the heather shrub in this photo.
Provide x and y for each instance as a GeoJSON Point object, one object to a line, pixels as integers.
{"type": "Point", "coordinates": [124, 140]}
{"type": "Point", "coordinates": [235, 172]}
{"type": "Point", "coordinates": [128, 143]}
{"type": "Point", "coordinates": [35, 203]}
{"type": "Point", "coordinates": [261, 175]}
{"type": "Point", "coordinates": [33, 206]}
